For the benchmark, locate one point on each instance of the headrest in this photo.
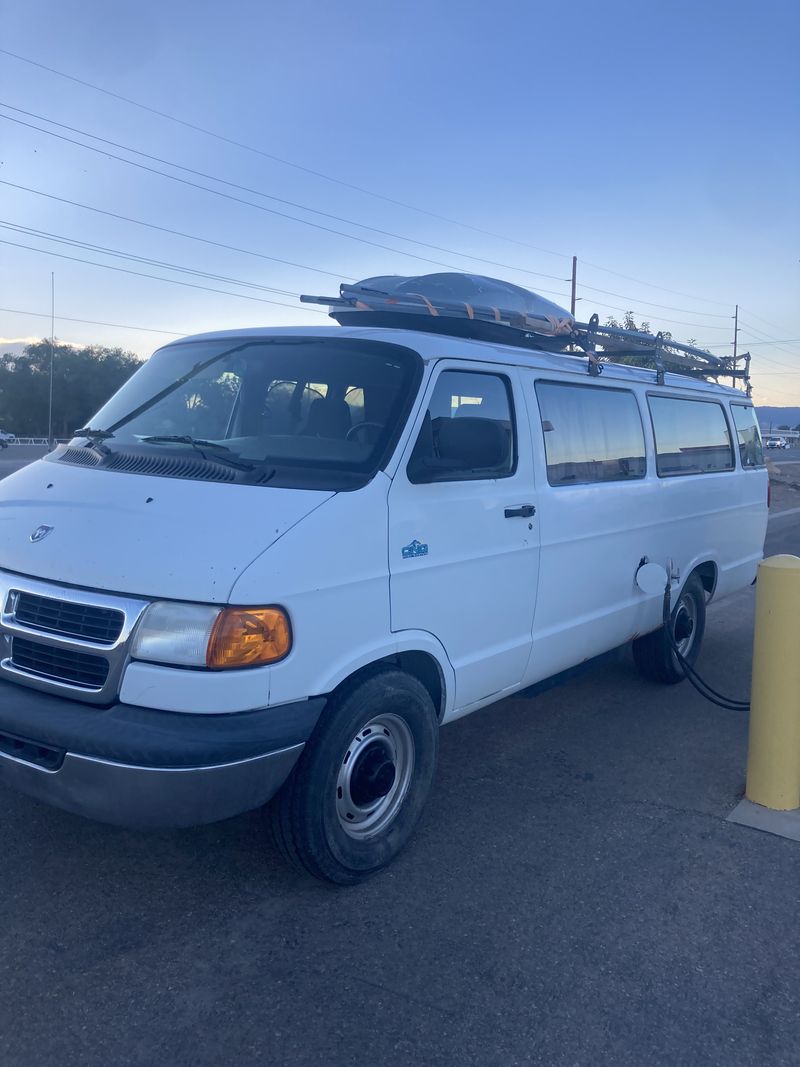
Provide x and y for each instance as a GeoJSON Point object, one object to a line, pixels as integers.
{"type": "Point", "coordinates": [474, 442]}
{"type": "Point", "coordinates": [328, 418]}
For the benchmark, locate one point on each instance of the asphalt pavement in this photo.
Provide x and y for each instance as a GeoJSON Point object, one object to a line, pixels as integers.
{"type": "Point", "coordinates": [573, 896]}
{"type": "Point", "coordinates": [15, 456]}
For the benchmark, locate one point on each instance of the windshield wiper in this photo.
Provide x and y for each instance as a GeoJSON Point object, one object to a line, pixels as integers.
{"type": "Point", "coordinates": [93, 435]}
{"type": "Point", "coordinates": [95, 439]}
{"type": "Point", "coordinates": [200, 444]}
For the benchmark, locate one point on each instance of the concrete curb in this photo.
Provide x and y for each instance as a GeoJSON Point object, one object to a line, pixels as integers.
{"type": "Point", "coordinates": [781, 823]}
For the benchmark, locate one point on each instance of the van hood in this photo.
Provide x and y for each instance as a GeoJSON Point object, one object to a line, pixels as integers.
{"type": "Point", "coordinates": [141, 535]}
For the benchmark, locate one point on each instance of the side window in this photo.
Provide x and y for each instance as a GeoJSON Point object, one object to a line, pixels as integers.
{"type": "Point", "coordinates": [468, 431]}
{"type": "Point", "coordinates": [591, 433]}
{"type": "Point", "coordinates": [692, 436]}
{"type": "Point", "coordinates": [749, 435]}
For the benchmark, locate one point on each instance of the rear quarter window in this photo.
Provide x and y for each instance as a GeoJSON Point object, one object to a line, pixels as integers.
{"type": "Point", "coordinates": [691, 436]}
{"type": "Point", "coordinates": [748, 434]}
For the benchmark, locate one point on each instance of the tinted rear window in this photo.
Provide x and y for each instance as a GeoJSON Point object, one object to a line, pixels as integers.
{"type": "Point", "coordinates": [591, 433]}
{"type": "Point", "coordinates": [692, 436]}
{"type": "Point", "coordinates": [749, 435]}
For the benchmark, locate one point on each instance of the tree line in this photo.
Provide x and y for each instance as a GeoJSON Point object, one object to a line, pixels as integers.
{"type": "Point", "coordinates": [83, 379]}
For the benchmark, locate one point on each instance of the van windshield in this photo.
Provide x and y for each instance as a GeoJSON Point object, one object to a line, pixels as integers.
{"type": "Point", "coordinates": [310, 409]}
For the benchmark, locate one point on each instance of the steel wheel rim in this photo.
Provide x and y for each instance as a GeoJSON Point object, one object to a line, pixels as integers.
{"type": "Point", "coordinates": [684, 626]}
{"type": "Point", "coordinates": [385, 741]}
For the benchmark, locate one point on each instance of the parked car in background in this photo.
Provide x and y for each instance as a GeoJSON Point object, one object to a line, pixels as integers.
{"type": "Point", "coordinates": [6, 439]}
{"type": "Point", "coordinates": [777, 442]}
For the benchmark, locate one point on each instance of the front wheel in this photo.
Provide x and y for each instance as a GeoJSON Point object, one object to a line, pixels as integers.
{"type": "Point", "coordinates": [360, 785]}
{"type": "Point", "coordinates": [653, 653]}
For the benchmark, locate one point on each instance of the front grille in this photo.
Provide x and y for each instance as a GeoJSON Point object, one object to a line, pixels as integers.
{"type": "Point", "coordinates": [59, 664]}
{"type": "Point", "coordinates": [70, 619]}
{"type": "Point", "coordinates": [64, 639]}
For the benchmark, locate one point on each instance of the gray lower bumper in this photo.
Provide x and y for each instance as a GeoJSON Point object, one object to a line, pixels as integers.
{"type": "Point", "coordinates": [152, 797]}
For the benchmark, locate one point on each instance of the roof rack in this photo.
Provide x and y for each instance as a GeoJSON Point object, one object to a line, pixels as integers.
{"type": "Point", "coordinates": [535, 323]}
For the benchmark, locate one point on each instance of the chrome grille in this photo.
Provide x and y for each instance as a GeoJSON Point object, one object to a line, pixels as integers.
{"type": "Point", "coordinates": [74, 620]}
{"type": "Point", "coordinates": [65, 640]}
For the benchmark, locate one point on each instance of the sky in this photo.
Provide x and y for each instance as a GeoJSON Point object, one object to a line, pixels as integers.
{"type": "Point", "coordinates": [658, 142]}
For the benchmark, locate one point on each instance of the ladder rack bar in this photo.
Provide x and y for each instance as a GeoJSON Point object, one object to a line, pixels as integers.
{"type": "Point", "coordinates": [550, 332]}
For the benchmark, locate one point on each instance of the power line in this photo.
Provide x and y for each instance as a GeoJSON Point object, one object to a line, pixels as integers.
{"type": "Point", "coordinates": [155, 277]}
{"type": "Point", "coordinates": [175, 333]}
{"type": "Point", "coordinates": [672, 322]}
{"type": "Point", "coordinates": [175, 233]}
{"type": "Point", "coordinates": [304, 207]}
{"type": "Point", "coordinates": [649, 285]}
{"type": "Point", "coordinates": [276, 199]}
{"type": "Point", "coordinates": [767, 322]}
{"type": "Point", "coordinates": [769, 344]}
{"type": "Point", "coordinates": [238, 199]}
{"type": "Point", "coordinates": [650, 303]}
{"type": "Point", "coordinates": [318, 212]}
{"type": "Point", "coordinates": [132, 257]}
{"type": "Point", "coordinates": [774, 362]}
{"type": "Point", "coordinates": [337, 181]}
{"type": "Point", "coordinates": [752, 344]}
{"type": "Point", "coordinates": [91, 322]}
{"type": "Point", "coordinates": [280, 159]}
{"type": "Point", "coordinates": [760, 334]}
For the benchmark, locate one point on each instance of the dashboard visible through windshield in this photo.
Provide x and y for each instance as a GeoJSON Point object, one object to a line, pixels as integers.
{"type": "Point", "coordinates": [306, 408]}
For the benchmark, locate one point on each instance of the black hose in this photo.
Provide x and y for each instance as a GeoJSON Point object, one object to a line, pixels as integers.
{"type": "Point", "coordinates": [689, 673]}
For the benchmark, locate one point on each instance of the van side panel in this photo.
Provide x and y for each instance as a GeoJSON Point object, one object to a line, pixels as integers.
{"type": "Point", "coordinates": [593, 537]}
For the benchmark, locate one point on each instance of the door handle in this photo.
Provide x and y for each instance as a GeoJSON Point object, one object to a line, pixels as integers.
{"type": "Point", "coordinates": [524, 512]}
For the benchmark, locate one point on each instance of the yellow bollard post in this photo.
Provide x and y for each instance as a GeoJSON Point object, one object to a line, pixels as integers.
{"type": "Point", "coordinates": [773, 757]}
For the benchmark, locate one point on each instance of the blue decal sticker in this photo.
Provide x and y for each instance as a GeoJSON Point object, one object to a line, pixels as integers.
{"type": "Point", "coordinates": [416, 548]}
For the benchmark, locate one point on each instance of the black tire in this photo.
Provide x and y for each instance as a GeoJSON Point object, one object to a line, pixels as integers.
{"type": "Point", "coordinates": [367, 725]}
{"type": "Point", "coordinates": [652, 653]}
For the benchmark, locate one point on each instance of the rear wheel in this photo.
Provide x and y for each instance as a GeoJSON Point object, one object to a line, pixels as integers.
{"type": "Point", "coordinates": [360, 785]}
{"type": "Point", "coordinates": [653, 653]}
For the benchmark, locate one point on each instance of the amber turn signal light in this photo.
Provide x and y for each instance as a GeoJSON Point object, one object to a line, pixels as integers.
{"type": "Point", "coordinates": [248, 637]}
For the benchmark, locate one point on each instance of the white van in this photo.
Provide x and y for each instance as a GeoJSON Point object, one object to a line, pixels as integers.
{"type": "Point", "coordinates": [280, 559]}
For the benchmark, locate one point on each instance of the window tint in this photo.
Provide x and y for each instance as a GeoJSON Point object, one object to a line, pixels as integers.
{"type": "Point", "coordinates": [468, 431]}
{"type": "Point", "coordinates": [591, 434]}
{"type": "Point", "coordinates": [692, 436]}
{"type": "Point", "coordinates": [749, 435]}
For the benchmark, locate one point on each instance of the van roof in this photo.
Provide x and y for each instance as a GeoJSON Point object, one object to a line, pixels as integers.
{"type": "Point", "coordinates": [432, 346]}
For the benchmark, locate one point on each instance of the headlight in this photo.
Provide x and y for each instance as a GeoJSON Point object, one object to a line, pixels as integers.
{"type": "Point", "coordinates": [195, 635]}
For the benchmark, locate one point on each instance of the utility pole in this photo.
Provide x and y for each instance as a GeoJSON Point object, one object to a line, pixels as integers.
{"type": "Point", "coordinates": [52, 353]}
{"type": "Point", "coordinates": [735, 335]}
{"type": "Point", "coordinates": [574, 283]}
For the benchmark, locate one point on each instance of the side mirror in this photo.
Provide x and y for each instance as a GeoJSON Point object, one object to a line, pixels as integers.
{"type": "Point", "coordinates": [651, 578]}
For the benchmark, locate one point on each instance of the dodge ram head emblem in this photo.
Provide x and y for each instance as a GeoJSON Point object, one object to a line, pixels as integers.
{"type": "Point", "coordinates": [40, 533]}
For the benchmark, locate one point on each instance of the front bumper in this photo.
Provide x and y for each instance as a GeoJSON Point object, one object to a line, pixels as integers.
{"type": "Point", "coordinates": [140, 768]}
